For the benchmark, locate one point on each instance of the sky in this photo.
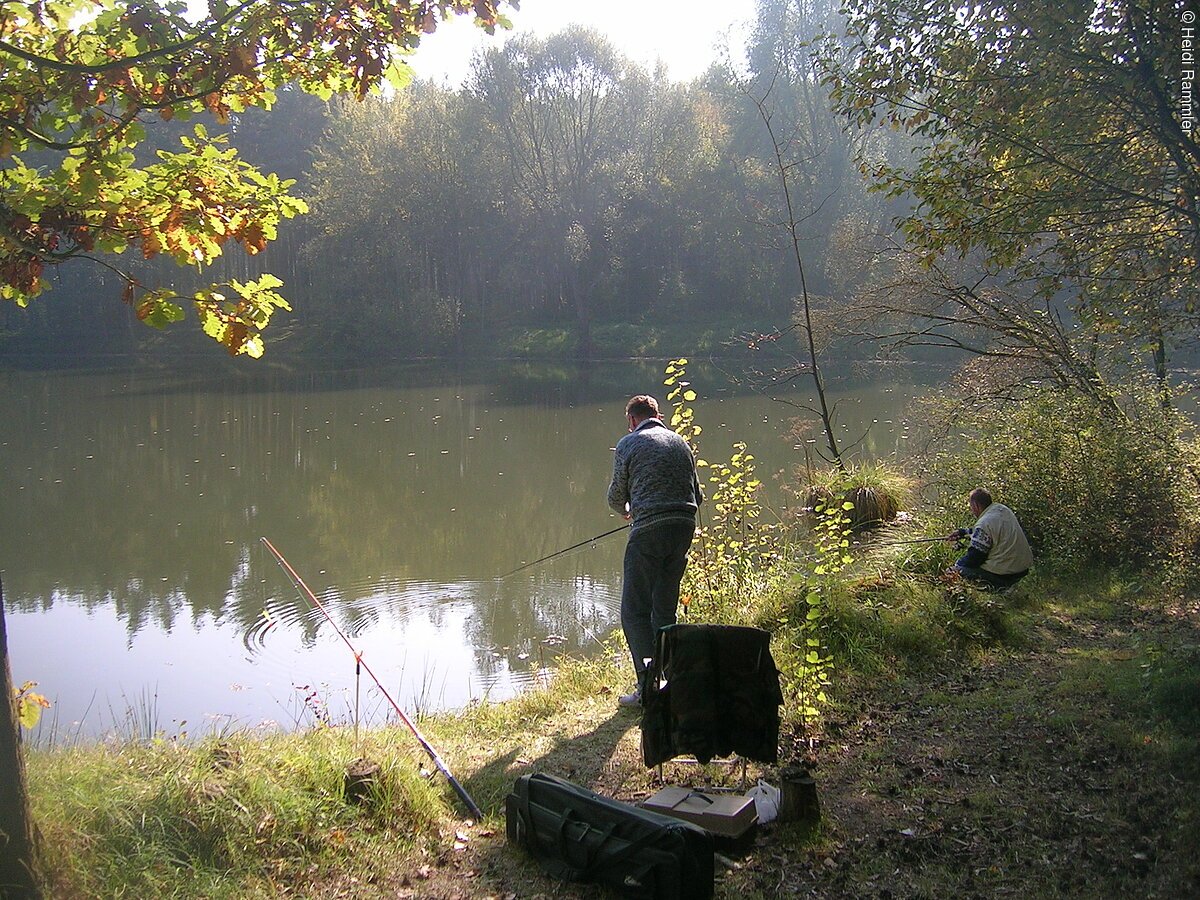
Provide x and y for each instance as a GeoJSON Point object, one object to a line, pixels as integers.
{"type": "Point", "coordinates": [683, 35]}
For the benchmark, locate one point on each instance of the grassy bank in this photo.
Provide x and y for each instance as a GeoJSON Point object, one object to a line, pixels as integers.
{"type": "Point", "coordinates": [241, 815]}
{"type": "Point", "coordinates": [1044, 743]}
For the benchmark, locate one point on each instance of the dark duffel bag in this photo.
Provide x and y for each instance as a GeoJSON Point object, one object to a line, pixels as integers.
{"type": "Point", "coordinates": [578, 835]}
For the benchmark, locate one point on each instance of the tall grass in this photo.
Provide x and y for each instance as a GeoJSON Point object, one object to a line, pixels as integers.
{"type": "Point", "coordinates": [237, 815]}
{"type": "Point", "coordinates": [251, 814]}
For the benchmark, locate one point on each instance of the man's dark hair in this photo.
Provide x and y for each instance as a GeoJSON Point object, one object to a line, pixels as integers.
{"type": "Point", "coordinates": [643, 406]}
{"type": "Point", "coordinates": [980, 498]}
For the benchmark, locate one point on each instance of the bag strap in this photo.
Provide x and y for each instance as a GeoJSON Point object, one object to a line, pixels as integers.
{"type": "Point", "coordinates": [597, 859]}
{"type": "Point", "coordinates": [591, 857]}
{"type": "Point", "coordinates": [624, 853]}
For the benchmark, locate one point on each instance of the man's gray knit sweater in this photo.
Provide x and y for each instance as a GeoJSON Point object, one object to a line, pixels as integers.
{"type": "Point", "coordinates": [654, 472]}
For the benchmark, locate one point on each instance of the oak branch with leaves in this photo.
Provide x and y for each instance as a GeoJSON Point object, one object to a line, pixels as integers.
{"type": "Point", "coordinates": [80, 80]}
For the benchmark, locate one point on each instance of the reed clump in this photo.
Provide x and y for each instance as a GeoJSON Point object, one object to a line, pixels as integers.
{"type": "Point", "coordinates": [876, 491]}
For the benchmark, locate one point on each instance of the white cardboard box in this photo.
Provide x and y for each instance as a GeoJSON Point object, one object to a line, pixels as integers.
{"type": "Point", "coordinates": [727, 815]}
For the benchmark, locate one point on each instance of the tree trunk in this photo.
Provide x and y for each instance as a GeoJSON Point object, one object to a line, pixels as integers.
{"type": "Point", "coordinates": [783, 168]}
{"type": "Point", "coordinates": [1159, 349]}
{"type": "Point", "coordinates": [798, 801]}
{"type": "Point", "coordinates": [17, 881]}
{"type": "Point", "coordinates": [583, 313]}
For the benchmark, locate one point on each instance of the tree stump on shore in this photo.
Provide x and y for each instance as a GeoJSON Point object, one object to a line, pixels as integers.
{"type": "Point", "coordinates": [798, 801]}
{"type": "Point", "coordinates": [361, 777]}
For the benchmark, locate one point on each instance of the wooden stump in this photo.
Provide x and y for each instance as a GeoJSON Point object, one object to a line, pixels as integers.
{"type": "Point", "coordinates": [798, 801]}
{"type": "Point", "coordinates": [361, 776]}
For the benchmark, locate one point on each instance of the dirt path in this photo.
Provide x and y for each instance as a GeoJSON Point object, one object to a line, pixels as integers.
{"type": "Point", "coordinates": [1041, 772]}
{"type": "Point", "coordinates": [1066, 767]}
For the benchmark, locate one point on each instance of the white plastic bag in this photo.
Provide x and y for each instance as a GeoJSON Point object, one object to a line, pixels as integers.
{"type": "Point", "coordinates": [766, 801]}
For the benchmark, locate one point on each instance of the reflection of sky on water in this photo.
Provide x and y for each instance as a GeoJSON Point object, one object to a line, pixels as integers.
{"type": "Point", "coordinates": [417, 638]}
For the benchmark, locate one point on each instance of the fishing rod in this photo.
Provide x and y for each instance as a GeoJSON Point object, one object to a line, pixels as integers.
{"type": "Point", "coordinates": [557, 553]}
{"type": "Point", "coordinates": [911, 541]}
{"type": "Point", "coordinates": [433, 754]}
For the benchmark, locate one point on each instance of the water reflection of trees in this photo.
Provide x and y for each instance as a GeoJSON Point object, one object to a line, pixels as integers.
{"type": "Point", "coordinates": [538, 617]}
{"type": "Point", "coordinates": [152, 503]}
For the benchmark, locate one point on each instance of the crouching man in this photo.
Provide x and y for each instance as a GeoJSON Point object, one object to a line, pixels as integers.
{"type": "Point", "coordinates": [999, 555]}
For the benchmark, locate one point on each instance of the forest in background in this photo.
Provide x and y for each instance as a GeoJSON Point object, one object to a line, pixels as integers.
{"type": "Point", "coordinates": [565, 200]}
{"type": "Point", "coordinates": [568, 203]}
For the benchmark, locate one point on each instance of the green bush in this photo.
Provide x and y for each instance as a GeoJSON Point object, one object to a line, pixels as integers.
{"type": "Point", "coordinates": [539, 343]}
{"type": "Point", "coordinates": [1086, 487]}
{"type": "Point", "coordinates": [626, 339]}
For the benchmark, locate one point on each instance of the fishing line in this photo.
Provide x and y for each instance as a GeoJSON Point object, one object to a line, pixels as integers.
{"type": "Point", "coordinates": [558, 553]}
{"type": "Point", "coordinates": [868, 546]}
{"type": "Point", "coordinates": [433, 754]}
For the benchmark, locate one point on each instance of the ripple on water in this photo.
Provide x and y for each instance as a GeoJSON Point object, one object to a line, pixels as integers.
{"type": "Point", "coordinates": [292, 642]}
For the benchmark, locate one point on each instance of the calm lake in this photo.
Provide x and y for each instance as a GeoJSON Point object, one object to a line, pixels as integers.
{"type": "Point", "coordinates": [140, 596]}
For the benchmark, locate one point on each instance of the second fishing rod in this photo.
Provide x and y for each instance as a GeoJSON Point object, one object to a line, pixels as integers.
{"type": "Point", "coordinates": [599, 537]}
{"type": "Point", "coordinates": [930, 540]}
{"type": "Point", "coordinates": [438, 762]}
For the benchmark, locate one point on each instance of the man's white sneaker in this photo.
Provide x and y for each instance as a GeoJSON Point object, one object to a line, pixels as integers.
{"type": "Point", "coordinates": [630, 700]}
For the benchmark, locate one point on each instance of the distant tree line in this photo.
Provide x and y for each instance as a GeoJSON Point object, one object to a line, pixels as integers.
{"type": "Point", "coordinates": [946, 202]}
{"type": "Point", "coordinates": [563, 186]}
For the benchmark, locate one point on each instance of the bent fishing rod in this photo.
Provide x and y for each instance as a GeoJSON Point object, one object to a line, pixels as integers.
{"type": "Point", "coordinates": [557, 553]}
{"type": "Point", "coordinates": [433, 754]}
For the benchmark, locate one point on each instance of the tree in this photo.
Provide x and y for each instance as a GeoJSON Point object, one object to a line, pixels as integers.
{"type": "Point", "coordinates": [563, 111]}
{"type": "Point", "coordinates": [683, 246]}
{"type": "Point", "coordinates": [1055, 157]}
{"type": "Point", "coordinates": [17, 871]}
{"type": "Point", "coordinates": [786, 82]}
{"type": "Point", "coordinates": [809, 153]}
{"type": "Point", "coordinates": [416, 242]}
{"type": "Point", "coordinates": [783, 169]}
{"type": "Point", "coordinates": [82, 76]}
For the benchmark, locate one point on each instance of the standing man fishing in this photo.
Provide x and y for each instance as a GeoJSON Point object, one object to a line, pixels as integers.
{"type": "Point", "coordinates": [654, 484]}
